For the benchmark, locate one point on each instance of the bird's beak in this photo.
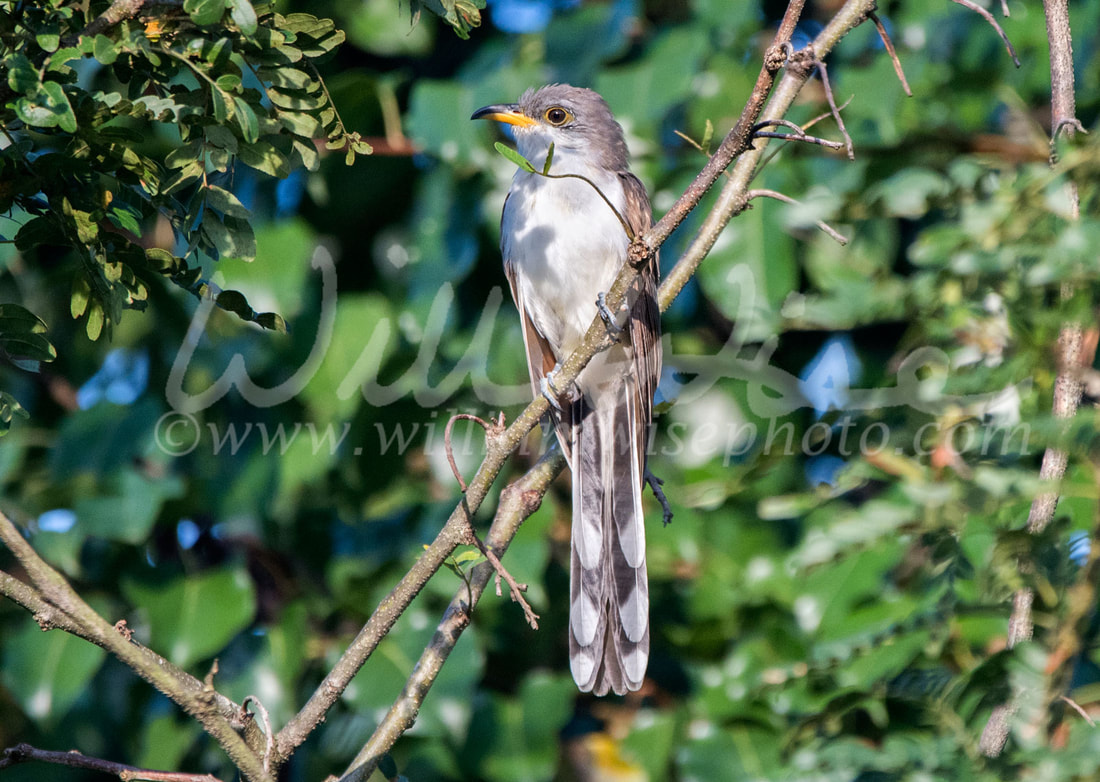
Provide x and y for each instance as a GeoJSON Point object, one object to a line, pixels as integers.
{"type": "Point", "coordinates": [505, 112]}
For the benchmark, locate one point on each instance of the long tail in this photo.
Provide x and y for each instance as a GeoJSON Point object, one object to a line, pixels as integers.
{"type": "Point", "coordinates": [608, 588]}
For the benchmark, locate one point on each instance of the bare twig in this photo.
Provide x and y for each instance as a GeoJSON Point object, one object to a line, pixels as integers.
{"type": "Point", "coordinates": [655, 484]}
{"type": "Point", "coordinates": [763, 193]}
{"type": "Point", "coordinates": [515, 588]}
{"type": "Point", "coordinates": [826, 114]}
{"type": "Point", "coordinates": [25, 753]}
{"type": "Point", "coordinates": [265, 719]}
{"type": "Point", "coordinates": [739, 137]}
{"type": "Point", "coordinates": [833, 107]}
{"type": "Point", "coordinates": [1077, 708]}
{"type": "Point", "coordinates": [803, 137]}
{"type": "Point", "coordinates": [491, 428]}
{"type": "Point", "coordinates": [993, 22]}
{"type": "Point", "coordinates": [885, 36]}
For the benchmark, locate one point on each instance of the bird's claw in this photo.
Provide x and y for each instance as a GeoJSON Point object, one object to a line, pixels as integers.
{"type": "Point", "coordinates": [549, 390]}
{"type": "Point", "coordinates": [608, 317]}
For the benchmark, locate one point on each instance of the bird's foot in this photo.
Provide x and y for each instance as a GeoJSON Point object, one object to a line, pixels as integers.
{"type": "Point", "coordinates": [549, 389]}
{"type": "Point", "coordinates": [613, 328]}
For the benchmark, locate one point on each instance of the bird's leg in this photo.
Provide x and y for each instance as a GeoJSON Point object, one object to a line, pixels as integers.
{"type": "Point", "coordinates": [549, 390]}
{"type": "Point", "coordinates": [613, 328]}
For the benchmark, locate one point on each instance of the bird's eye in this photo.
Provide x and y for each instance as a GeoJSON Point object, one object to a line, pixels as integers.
{"type": "Point", "coordinates": [557, 116]}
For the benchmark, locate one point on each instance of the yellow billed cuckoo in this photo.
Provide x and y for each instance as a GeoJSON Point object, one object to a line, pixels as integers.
{"type": "Point", "coordinates": [563, 246]}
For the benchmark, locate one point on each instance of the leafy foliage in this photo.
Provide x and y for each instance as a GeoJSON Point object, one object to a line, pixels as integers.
{"type": "Point", "coordinates": [86, 167]}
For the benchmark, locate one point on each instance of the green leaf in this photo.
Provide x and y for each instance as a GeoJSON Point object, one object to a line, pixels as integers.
{"type": "Point", "coordinates": [235, 302]}
{"type": "Point", "coordinates": [300, 123]}
{"type": "Point", "coordinates": [49, 36]}
{"type": "Point", "coordinates": [38, 230]}
{"type": "Point", "coordinates": [46, 672]}
{"type": "Point", "coordinates": [223, 104]}
{"type": "Point", "coordinates": [231, 237]}
{"type": "Point", "coordinates": [22, 75]}
{"type": "Point", "coordinates": [246, 120]}
{"type": "Point", "coordinates": [204, 12]}
{"type": "Point", "coordinates": [104, 50]}
{"type": "Point", "coordinates": [9, 408]}
{"type": "Point", "coordinates": [222, 137]}
{"type": "Point", "coordinates": [549, 159]}
{"type": "Point", "coordinates": [262, 156]}
{"type": "Point", "coordinates": [288, 78]}
{"type": "Point", "coordinates": [515, 157]}
{"type": "Point", "coordinates": [244, 15]}
{"type": "Point", "coordinates": [297, 100]}
{"type": "Point", "coordinates": [182, 156]}
{"type": "Point", "coordinates": [225, 202]}
{"type": "Point", "coordinates": [125, 217]}
{"type": "Point", "coordinates": [187, 175]}
{"type": "Point", "coordinates": [307, 154]}
{"type": "Point", "coordinates": [305, 24]}
{"type": "Point", "coordinates": [161, 260]}
{"type": "Point", "coordinates": [47, 107]}
{"type": "Point", "coordinates": [97, 318]}
{"type": "Point", "coordinates": [193, 618]}
{"type": "Point", "coordinates": [80, 296]}
{"type": "Point", "coordinates": [86, 228]}
{"type": "Point", "coordinates": [128, 511]}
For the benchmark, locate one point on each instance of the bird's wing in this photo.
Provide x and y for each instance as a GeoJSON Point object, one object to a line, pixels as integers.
{"type": "Point", "coordinates": [645, 314]}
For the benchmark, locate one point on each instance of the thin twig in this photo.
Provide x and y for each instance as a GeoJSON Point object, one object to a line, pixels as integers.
{"type": "Point", "coordinates": [265, 719]}
{"type": "Point", "coordinates": [833, 107]}
{"type": "Point", "coordinates": [490, 428]}
{"type": "Point", "coordinates": [655, 484]}
{"type": "Point", "coordinates": [25, 753]}
{"type": "Point", "coordinates": [803, 137]}
{"type": "Point", "coordinates": [1077, 707]}
{"type": "Point", "coordinates": [885, 36]}
{"type": "Point", "coordinates": [515, 588]}
{"type": "Point", "coordinates": [764, 193]}
{"type": "Point", "coordinates": [989, 18]}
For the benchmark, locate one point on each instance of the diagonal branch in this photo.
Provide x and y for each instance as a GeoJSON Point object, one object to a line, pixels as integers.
{"type": "Point", "coordinates": [517, 502]}
{"type": "Point", "coordinates": [56, 604]}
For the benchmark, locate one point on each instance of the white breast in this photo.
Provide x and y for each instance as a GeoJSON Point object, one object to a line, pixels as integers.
{"type": "Point", "coordinates": [565, 246]}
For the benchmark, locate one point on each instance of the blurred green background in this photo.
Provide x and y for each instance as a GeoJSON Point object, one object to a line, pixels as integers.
{"type": "Point", "coordinates": [824, 607]}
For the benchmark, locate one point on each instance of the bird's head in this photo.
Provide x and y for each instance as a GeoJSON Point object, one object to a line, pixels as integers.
{"type": "Point", "coordinates": [576, 120]}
